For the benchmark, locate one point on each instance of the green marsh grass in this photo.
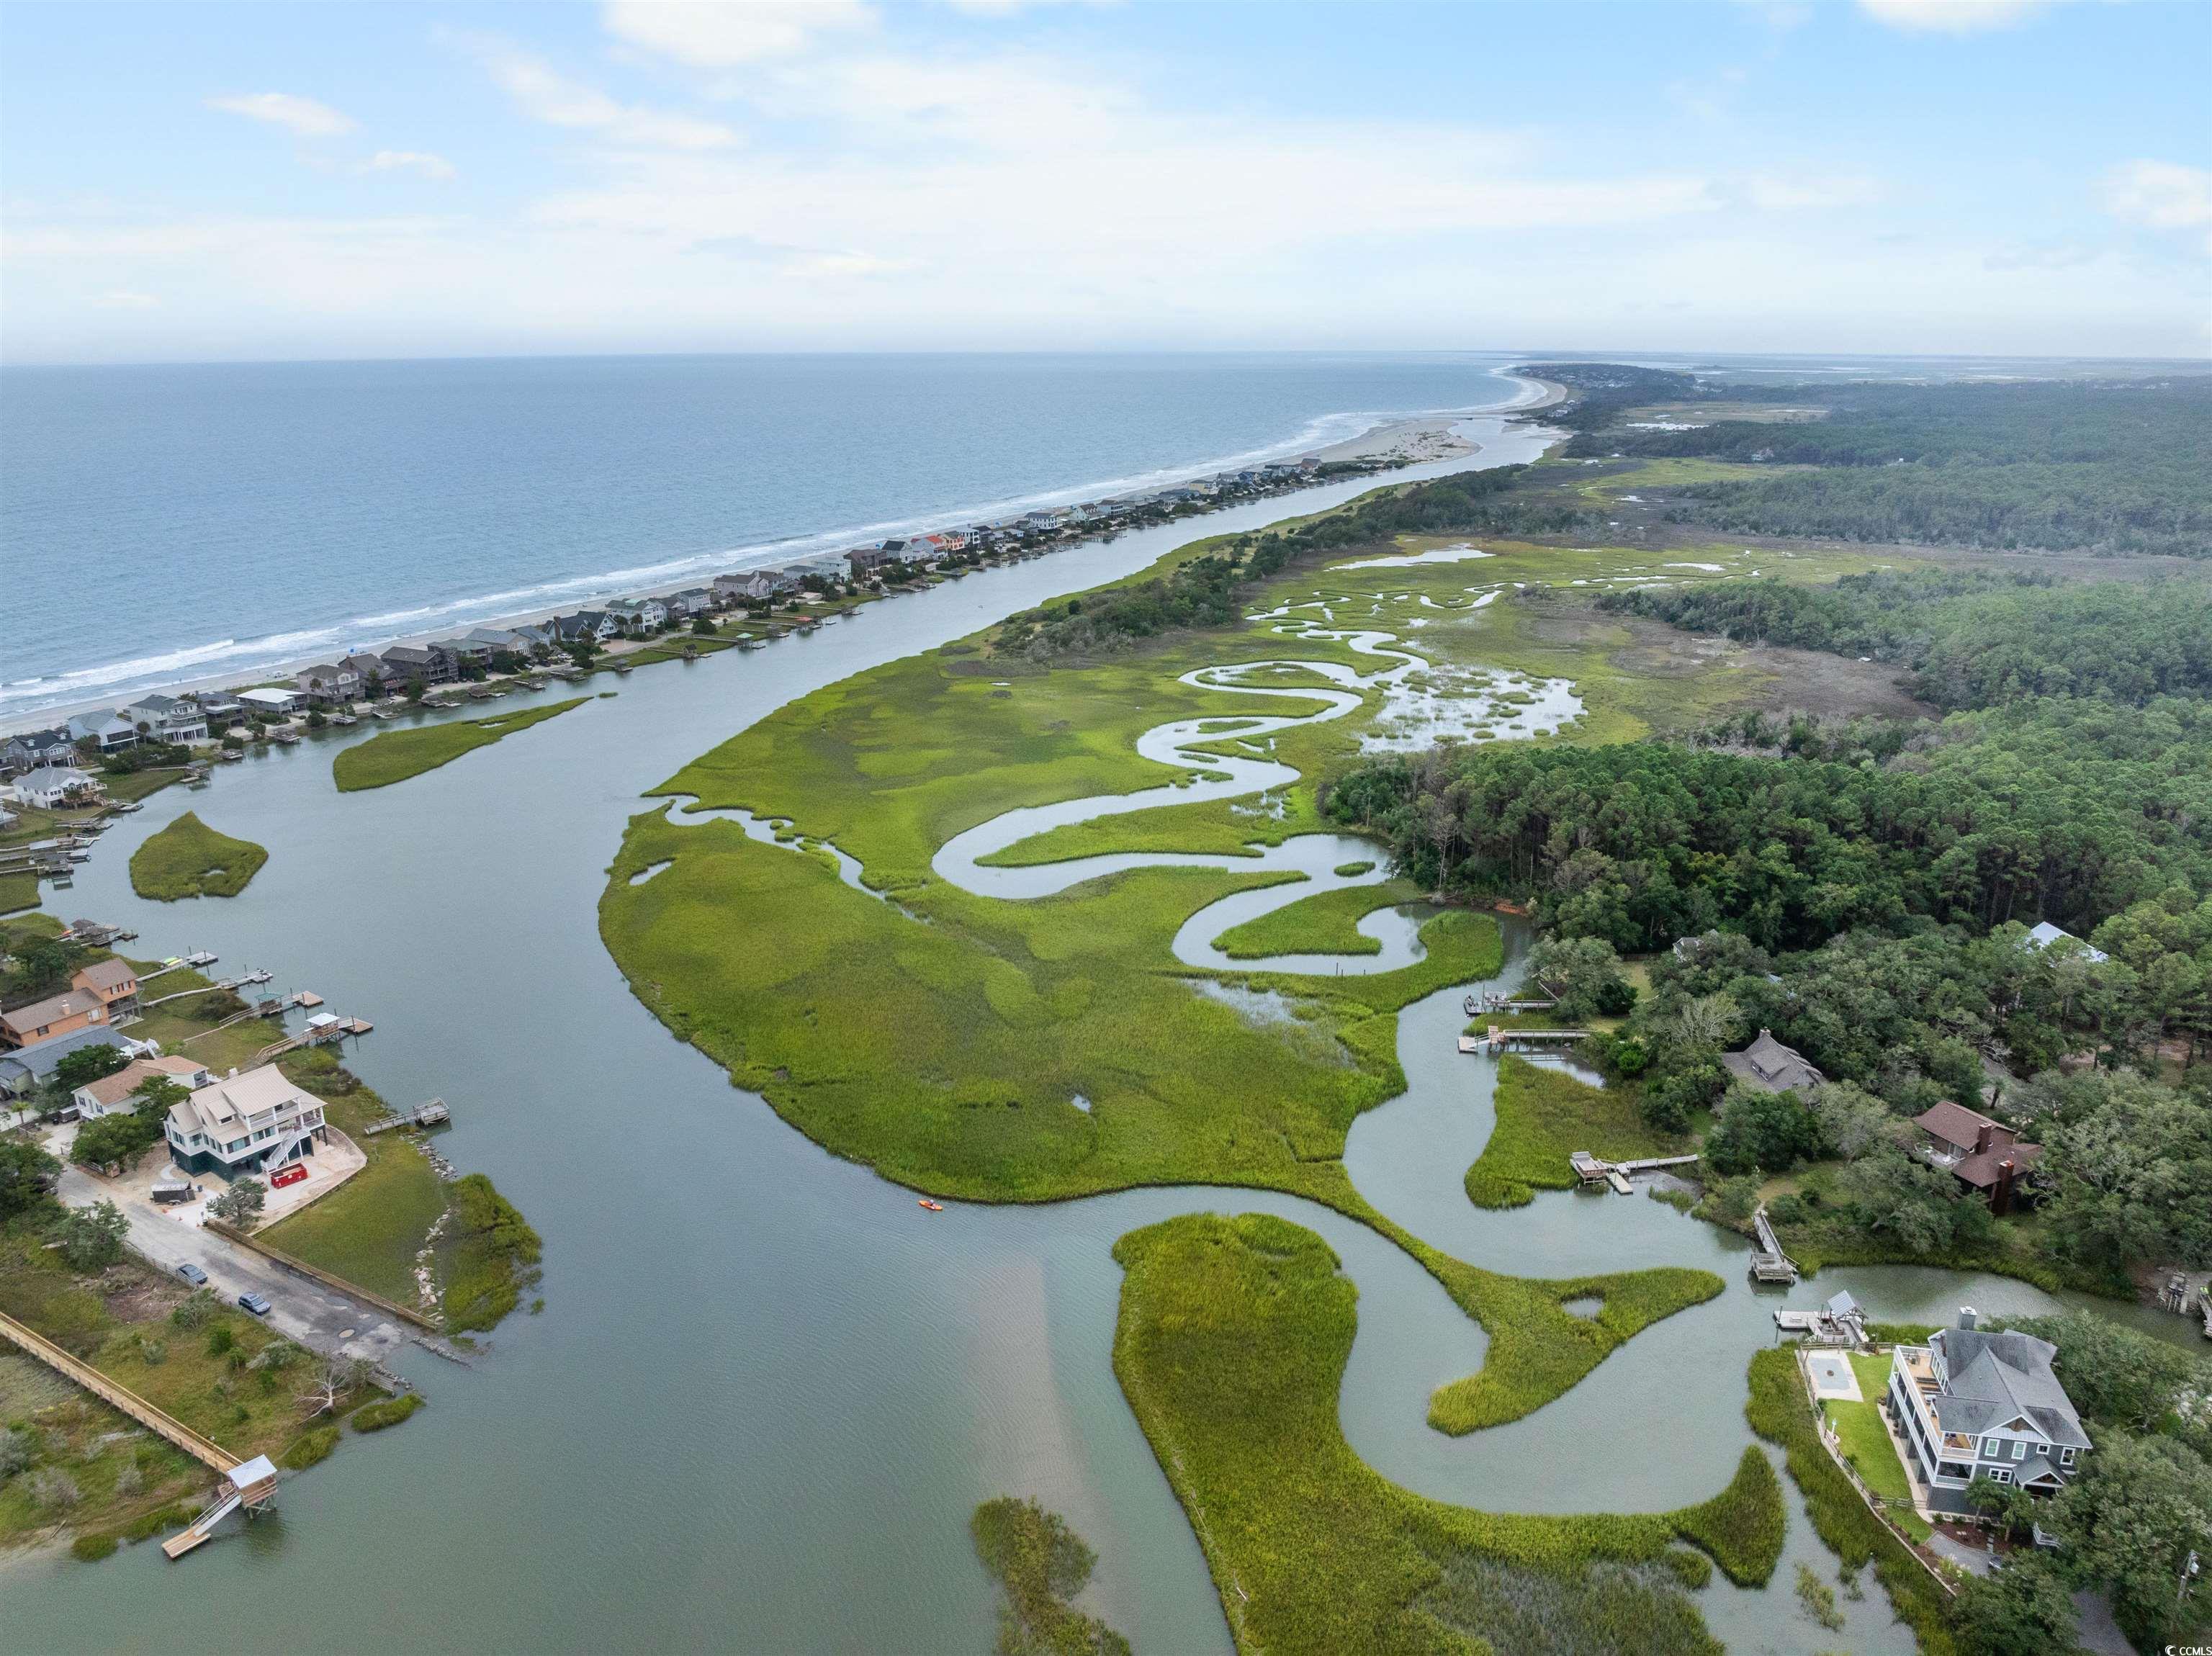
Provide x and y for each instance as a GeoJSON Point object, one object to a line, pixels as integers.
{"type": "Point", "coordinates": [1323, 924]}
{"type": "Point", "coordinates": [1544, 1116]}
{"type": "Point", "coordinates": [188, 858]}
{"type": "Point", "coordinates": [1039, 1564]}
{"type": "Point", "coordinates": [1231, 1347]}
{"type": "Point", "coordinates": [395, 756]}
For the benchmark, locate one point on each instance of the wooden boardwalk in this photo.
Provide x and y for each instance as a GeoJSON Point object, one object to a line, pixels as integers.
{"type": "Point", "coordinates": [157, 1421]}
{"type": "Point", "coordinates": [1769, 1264]}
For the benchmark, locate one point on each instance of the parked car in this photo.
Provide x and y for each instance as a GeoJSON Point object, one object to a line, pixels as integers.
{"type": "Point", "coordinates": [256, 1304]}
{"type": "Point", "coordinates": [192, 1274]}
{"type": "Point", "coordinates": [283, 1176]}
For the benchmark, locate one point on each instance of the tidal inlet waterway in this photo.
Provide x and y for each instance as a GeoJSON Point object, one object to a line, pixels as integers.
{"type": "Point", "coordinates": [768, 1390]}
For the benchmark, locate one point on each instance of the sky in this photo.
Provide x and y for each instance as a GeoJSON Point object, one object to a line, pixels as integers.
{"type": "Point", "coordinates": [183, 182]}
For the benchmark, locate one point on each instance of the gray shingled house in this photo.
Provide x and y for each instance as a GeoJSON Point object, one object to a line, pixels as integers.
{"type": "Point", "coordinates": [1972, 1404]}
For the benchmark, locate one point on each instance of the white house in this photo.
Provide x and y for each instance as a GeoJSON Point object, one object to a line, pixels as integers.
{"type": "Point", "coordinates": [52, 785]}
{"type": "Point", "coordinates": [1971, 1403]}
{"type": "Point", "coordinates": [244, 1124]}
{"type": "Point", "coordinates": [113, 1093]}
{"type": "Point", "coordinates": [271, 703]}
{"type": "Point", "coordinates": [640, 615]}
{"type": "Point", "coordinates": [110, 729]}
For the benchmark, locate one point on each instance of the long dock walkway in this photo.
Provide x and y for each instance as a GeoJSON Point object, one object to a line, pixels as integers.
{"type": "Point", "coordinates": [157, 1421]}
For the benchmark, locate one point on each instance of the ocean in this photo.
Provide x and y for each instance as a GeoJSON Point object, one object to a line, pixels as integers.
{"type": "Point", "coordinates": [171, 523]}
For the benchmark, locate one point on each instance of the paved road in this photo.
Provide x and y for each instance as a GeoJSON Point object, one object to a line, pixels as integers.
{"type": "Point", "coordinates": [306, 1311]}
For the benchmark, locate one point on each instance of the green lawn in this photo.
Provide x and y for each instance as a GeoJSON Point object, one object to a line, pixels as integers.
{"type": "Point", "coordinates": [1326, 925]}
{"type": "Point", "coordinates": [1866, 1442]}
{"type": "Point", "coordinates": [395, 756]}
{"type": "Point", "coordinates": [369, 1230]}
{"type": "Point", "coordinates": [188, 858]}
{"type": "Point", "coordinates": [1544, 1116]}
{"type": "Point", "coordinates": [1231, 1347]}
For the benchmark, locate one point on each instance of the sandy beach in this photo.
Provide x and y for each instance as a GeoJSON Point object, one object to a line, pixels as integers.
{"type": "Point", "coordinates": [1422, 439]}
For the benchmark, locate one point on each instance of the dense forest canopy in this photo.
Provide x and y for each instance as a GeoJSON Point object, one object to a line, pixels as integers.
{"type": "Point", "coordinates": [1973, 637]}
{"type": "Point", "coordinates": [2007, 815]}
{"type": "Point", "coordinates": [2113, 466]}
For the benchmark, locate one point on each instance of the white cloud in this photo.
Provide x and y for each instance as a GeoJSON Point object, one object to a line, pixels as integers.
{"type": "Point", "coordinates": [545, 95]}
{"type": "Point", "coordinates": [730, 34]}
{"type": "Point", "coordinates": [1949, 16]}
{"type": "Point", "coordinates": [411, 160]}
{"type": "Point", "coordinates": [303, 116]}
{"type": "Point", "coordinates": [2159, 195]}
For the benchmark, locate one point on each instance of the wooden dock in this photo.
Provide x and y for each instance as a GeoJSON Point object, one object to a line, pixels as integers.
{"type": "Point", "coordinates": [1501, 1039]}
{"type": "Point", "coordinates": [1769, 1264]}
{"type": "Point", "coordinates": [433, 1115]}
{"type": "Point", "coordinates": [1596, 1170]}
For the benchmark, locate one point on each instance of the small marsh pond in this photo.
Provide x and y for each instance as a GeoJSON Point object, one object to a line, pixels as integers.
{"type": "Point", "coordinates": [768, 1389]}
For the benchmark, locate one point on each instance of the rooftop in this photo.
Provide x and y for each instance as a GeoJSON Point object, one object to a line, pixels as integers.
{"type": "Point", "coordinates": [1768, 1064]}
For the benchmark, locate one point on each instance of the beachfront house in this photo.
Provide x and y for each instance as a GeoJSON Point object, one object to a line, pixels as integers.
{"type": "Point", "coordinates": [369, 673]}
{"type": "Point", "coordinates": [534, 638]}
{"type": "Point", "coordinates": [55, 787]}
{"type": "Point", "coordinates": [868, 561]}
{"type": "Point", "coordinates": [118, 1094]}
{"type": "Point", "coordinates": [330, 684]}
{"type": "Point", "coordinates": [115, 982]}
{"type": "Point", "coordinates": [691, 601]}
{"type": "Point", "coordinates": [270, 702]}
{"type": "Point", "coordinates": [1769, 1066]}
{"type": "Point", "coordinates": [1982, 1154]}
{"type": "Point", "coordinates": [107, 730]}
{"type": "Point", "coordinates": [57, 1014]}
{"type": "Point", "coordinates": [2043, 934]}
{"type": "Point", "coordinates": [1972, 1404]}
{"type": "Point", "coordinates": [168, 718]}
{"type": "Point", "coordinates": [410, 664]}
{"type": "Point", "coordinates": [244, 1124]}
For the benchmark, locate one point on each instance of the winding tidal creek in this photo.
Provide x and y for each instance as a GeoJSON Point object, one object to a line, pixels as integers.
{"type": "Point", "coordinates": [767, 1390]}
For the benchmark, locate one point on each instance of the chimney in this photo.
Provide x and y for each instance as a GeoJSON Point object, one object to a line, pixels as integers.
{"type": "Point", "coordinates": [2000, 1196]}
{"type": "Point", "coordinates": [1968, 1316]}
{"type": "Point", "coordinates": [1982, 1136]}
